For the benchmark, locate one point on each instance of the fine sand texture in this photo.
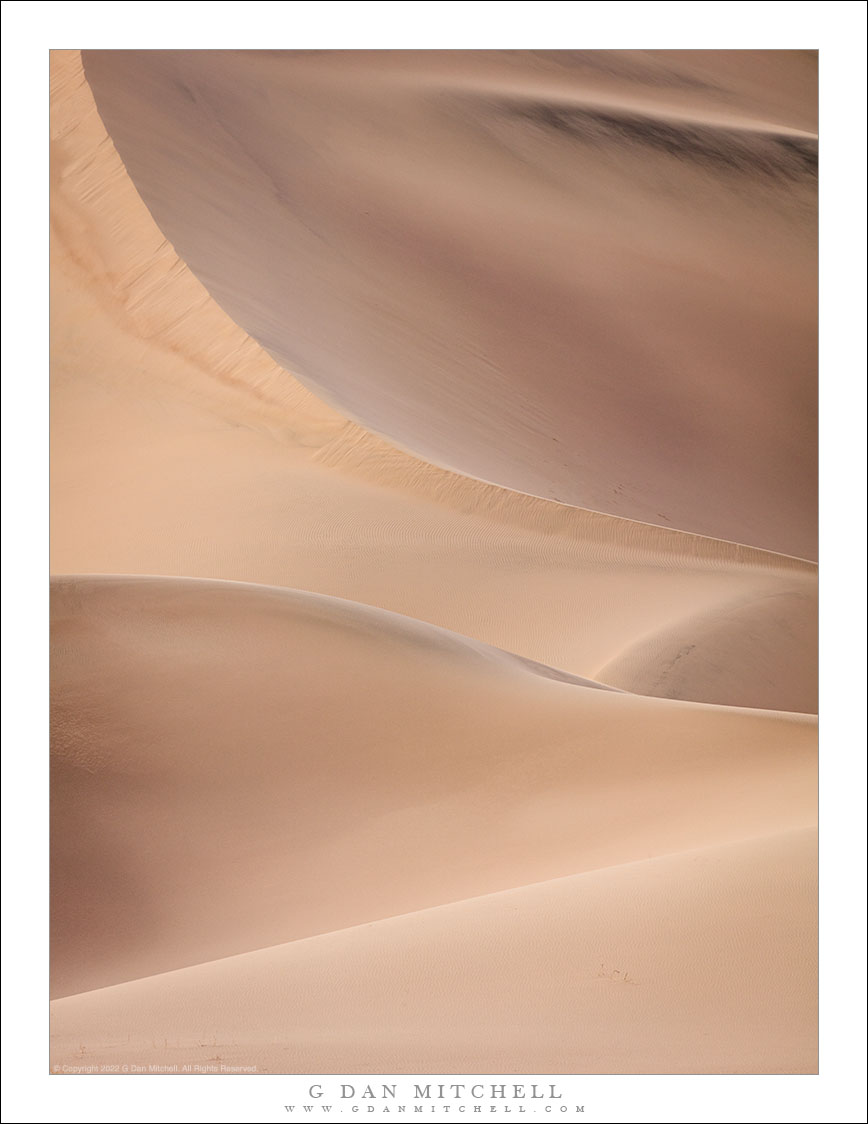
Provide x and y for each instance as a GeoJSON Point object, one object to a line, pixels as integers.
{"type": "Point", "coordinates": [592, 282]}
{"type": "Point", "coordinates": [255, 765]}
{"type": "Point", "coordinates": [179, 448]}
{"type": "Point", "coordinates": [594, 973]}
{"type": "Point", "coordinates": [434, 620]}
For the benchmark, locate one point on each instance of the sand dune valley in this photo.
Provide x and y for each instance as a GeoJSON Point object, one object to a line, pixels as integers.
{"type": "Point", "coordinates": [434, 539]}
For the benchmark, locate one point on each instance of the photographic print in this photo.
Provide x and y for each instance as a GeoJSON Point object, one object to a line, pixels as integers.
{"type": "Point", "coordinates": [434, 567]}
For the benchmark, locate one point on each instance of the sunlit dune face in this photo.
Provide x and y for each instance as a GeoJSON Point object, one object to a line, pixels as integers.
{"type": "Point", "coordinates": [434, 624]}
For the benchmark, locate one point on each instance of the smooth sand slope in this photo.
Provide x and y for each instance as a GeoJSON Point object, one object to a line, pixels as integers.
{"type": "Point", "coordinates": [702, 962]}
{"type": "Point", "coordinates": [297, 830]}
{"type": "Point", "coordinates": [236, 766]}
{"type": "Point", "coordinates": [178, 447]}
{"type": "Point", "coordinates": [587, 277]}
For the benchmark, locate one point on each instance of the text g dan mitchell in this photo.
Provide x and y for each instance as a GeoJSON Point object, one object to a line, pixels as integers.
{"type": "Point", "coordinates": [498, 1091]}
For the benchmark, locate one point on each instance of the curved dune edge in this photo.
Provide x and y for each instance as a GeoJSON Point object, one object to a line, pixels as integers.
{"type": "Point", "coordinates": [663, 369]}
{"type": "Point", "coordinates": [235, 766]}
{"type": "Point", "coordinates": [101, 229]}
{"type": "Point", "coordinates": [104, 230]}
{"type": "Point", "coordinates": [640, 968]}
{"type": "Point", "coordinates": [179, 447]}
{"type": "Point", "coordinates": [742, 646]}
{"type": "Point", "coordinates": [359, 803]}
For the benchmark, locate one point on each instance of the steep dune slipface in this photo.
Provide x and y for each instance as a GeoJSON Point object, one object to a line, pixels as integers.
{"type": "Point", "coordinates": [307, 834]}
{"type": "Point", "coordinates": [639, 968]}
{"type": "Point", "coordinates": [236, 766]}
{"type": "Point", "coordinates": [179, 447]}
{"type": "Point", "coordinates": [587, 278]}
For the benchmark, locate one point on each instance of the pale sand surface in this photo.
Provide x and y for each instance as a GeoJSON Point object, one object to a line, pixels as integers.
{"type": "Point", "coordinates": [276, 757]}
{"type": "Point", "coordinates": [179, 448]}
{"type": "Point", "coordinates": [498, 261]}
{"type": "Point", "coordinates": [700, 962]}
{"type": "Point", "coordinates": [236, 766]}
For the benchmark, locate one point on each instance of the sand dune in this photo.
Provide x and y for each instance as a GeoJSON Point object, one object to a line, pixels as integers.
{"type": "Point", "coordinates": [179, 448]}
{"type": "Point", "coordinates": [238, 763]}
{"type": "Point", "coordinates": [632, 969]}
{"type": "Point", "coordinates": [458, 410]}
{"type": "Point", "coordinates": [748, 648]}
{"type": "Point", "coordinates": [496, 263]}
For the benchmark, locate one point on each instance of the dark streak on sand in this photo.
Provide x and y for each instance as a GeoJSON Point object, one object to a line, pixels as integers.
{"type": "Point", "coordinates": [782, 156]}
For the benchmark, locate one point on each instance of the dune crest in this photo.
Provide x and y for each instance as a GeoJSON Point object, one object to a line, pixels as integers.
{"type": "Point", "coordinates": [433, 506]}
{"type": "Point", "coordinates": [601, 979]}
{"type": "Point", "coordinates": [611, 310]}
{"type": "Point", "coordinates": [248, 757]}
{"type": "Point", "coordinates": [203, 457]}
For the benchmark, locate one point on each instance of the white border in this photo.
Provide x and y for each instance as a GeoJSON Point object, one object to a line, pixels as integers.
{"type": "Point", "coordinates": [30, 30]}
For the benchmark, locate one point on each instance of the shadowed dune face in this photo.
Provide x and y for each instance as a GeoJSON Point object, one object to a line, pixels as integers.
{"type": "Point", "coordinates": [614, 971]}
{"type": "Point", "coordinates": [252, 757]}
{"type": "Point", "coordinates": [513, 829]}
{"type": "Point", "coordinates": [585, 276]}
{"type": "Point", "coordinates": [179, 447]}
